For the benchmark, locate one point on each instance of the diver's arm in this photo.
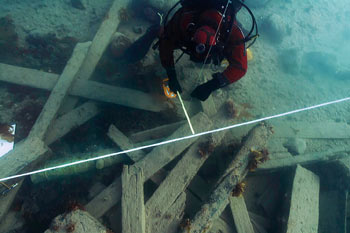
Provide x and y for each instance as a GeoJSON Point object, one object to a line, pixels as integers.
{"type": "Point", "coordinates": [166, 52]}
{"type": "Point", "coordinates": [237, 57]}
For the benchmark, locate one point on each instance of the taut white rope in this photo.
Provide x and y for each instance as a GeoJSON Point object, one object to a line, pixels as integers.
{"type": "Point", "coordinates": [176, 139]}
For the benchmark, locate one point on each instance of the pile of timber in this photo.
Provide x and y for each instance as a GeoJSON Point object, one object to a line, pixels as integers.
{"type": "Point", "coordinates": [181, 191]}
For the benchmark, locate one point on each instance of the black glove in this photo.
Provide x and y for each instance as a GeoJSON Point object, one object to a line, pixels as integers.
{"type": "Point", "coordinates": [203, 91]}
{"type": "Point", "coordinates": [174, 85]}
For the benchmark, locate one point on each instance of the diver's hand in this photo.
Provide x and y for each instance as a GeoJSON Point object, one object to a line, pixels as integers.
{"type": "Point", "coordinates": [174, 84]}
{"type": "Point", "coordinates": [203, 91]}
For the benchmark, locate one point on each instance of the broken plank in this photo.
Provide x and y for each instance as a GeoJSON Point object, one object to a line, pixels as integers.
{"type": "Point", "coordinates": [162, 155]}
{"type": "Point", "coordinates": [59, 92]}
{"type": "Point", "coordinates": [71, 120]}
{"type": "Point", "coordinates": [235, 173]}
{"type": "Point", "coordinates": [133, 209]}
{"type": "Point", "coordinates": [156, 133]}
{"type": "Point", "coordinates": [82, 88]}
{"type": "Point", "coordinates": [303, 202]}
{"type": "Point", "coordinates": [277, 164]}
{"type": "Point", "coordinates": [170, 221]}
{"type": "Point", "coordinates": [240, 215]}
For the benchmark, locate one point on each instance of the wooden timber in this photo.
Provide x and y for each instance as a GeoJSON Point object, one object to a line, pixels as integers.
{"type": "Point", "coordinates": [59, 92]}
{"type": "Point", "coordinates": [99, 44]}
{"type": "Point", "coordinates": [71, 120]}
{"type": "Point", "coordinates": [171, 220]}
{"type": "Point", "coordinates": [278, 164]}
{"type": "Point", "coordinates": [235, 173]}
{"type": "Point", "coordinates": [162, 155]}
{"type": "Point", "coordinates": [82, 88]}
{"type": "Point", "coordinates": [303, 202]}
{"type": "Point", "coordinates": [240, 215]}
{"type": "Point", "coordinates": [180, 176]}
{"type": "Point", "coordinates": [159, 156]}
{"type": "Point", "coordinates": [156, 133]}
{"type": "Point", "coordinates": [133, 209]}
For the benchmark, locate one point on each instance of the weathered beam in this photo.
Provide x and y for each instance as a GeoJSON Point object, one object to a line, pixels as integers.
{"type": "Point", "coordinates": [133, 209]}
{"type": "Point", "coordinates": [193, 203]}
{"type": "Point", "coordinates": [23, 156]}
{"type": "Point", "coordinates": [170, 221]}
{"type": "Point", "coordinates": [100, 42]}
{"type": "Point", "coordinates": [240, 215]}
{"type": "Point", "coordinates": [277, 164]}
{"type": "Point", "coordinates": [106, 199]}
{"type": "Point", "coordinates": [102, 38]}
{"type": "Point", "coordinates": [64, 124]}
{"type": "Point", "coordinates": [82, 88]}
{"type": "Point", "coordinates": [180, 176]}
{"type": "Point", "coordinates": [59, 92]}
{"type": "Point", "coordinates": [156, 133]}
{"type": "Point", "coordinates": [125, 96]}
{"type": "Point", "coordinates": [162, 155]}
{"type": "Point", "coordinates": [237, 170]}
{"type": "Point", "coordinates": [303, 201]}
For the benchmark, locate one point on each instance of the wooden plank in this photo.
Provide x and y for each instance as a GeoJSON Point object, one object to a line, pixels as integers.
{"type": "Point", "coordinates": [59, 92]}
{"type": "Point", "coordinates": [179, 177]}
{"type": "Point", "coordinates": [240, 215]}
{"type": "Point", "coordinates": [125, 96]}
{"type": "Point", "coordinates": [106, 199]}
{"type": "Point", "coordinates": [82, 88]}
{"type": "Point", "coordinates": [24, 154]}
{"type": "Point", "coordinates": [304, 202]}
{"type": "Point", "coordinates": [193, 203]}
{"type": "Point", "coordinates": [99, 44]}
{"type": "Point", "coordinates": [162, 155]}
{"type": "Point", "coordinates": [277, 164]}
{"type": "Point", "coordinates": [170, 221]}
{"type": "Point", "coordinates": [71, 120]}
{"type": "Point", "coordinates": [133, 209]}
{"type": "Point", "coordinates": [156, 133]}
{"type": "Point", "coordinates": [235, 173]}
{"type": "Point", "coordinates": [124, 143]}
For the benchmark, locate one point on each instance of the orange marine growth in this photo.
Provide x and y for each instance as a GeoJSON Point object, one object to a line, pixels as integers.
{"type": "Point", "coordinates": [257, 157]}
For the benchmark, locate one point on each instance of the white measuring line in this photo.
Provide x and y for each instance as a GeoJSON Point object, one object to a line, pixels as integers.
{"type": "Point", "coordinates": [176, 139]}
{"type": "Point", "coordinates": [183, 107]}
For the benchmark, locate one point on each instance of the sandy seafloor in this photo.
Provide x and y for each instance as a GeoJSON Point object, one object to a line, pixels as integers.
{"type": "Point", "coordinates": [313, 26]}
{"type": "Point", "coordinates": [306, 27]}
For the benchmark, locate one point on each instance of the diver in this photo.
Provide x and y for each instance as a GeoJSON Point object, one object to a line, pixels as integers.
{"type": "Point", "coordinates": [208, 34]}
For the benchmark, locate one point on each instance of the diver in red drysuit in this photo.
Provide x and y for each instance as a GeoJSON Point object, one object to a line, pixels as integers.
{"type": "Point", "coordinates": [194, 33]}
